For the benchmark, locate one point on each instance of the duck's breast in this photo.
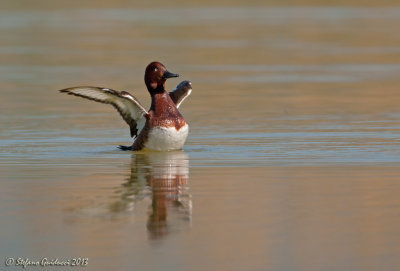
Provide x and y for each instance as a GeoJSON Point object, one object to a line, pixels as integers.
{"type": "Point", "coordinates": [166, 138]}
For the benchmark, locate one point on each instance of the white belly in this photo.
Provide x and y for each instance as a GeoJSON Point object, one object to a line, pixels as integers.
{"type": "Point", "coordinates": [167, 139]}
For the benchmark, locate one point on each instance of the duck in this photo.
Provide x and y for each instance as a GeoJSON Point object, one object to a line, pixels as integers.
{"type": "Point", "coordinates": [162, 127]}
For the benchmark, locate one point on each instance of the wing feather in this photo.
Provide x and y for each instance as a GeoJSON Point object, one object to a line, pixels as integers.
{"type": "Point", "coordinates": [127, 105]}
{"type": "Point", "coordinates": [181, 92]}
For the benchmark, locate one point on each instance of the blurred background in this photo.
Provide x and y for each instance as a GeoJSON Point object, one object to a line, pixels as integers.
{"type": "Point", "coordinates": [293, 153]}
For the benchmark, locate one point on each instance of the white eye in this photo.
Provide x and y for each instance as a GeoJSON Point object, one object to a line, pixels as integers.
{"type": "Point", "coordinates": [155, 69]}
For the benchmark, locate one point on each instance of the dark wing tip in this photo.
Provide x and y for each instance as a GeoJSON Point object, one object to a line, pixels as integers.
{"type": "Point", "coordinates": [68, 90]}
{"type": "Point", "coordinates": [184, 85]}
{"type": "Point", "coordinates": [65, 90]}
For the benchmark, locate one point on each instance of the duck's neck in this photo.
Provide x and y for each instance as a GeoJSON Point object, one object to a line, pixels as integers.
{"type": "Point", "coordinates": [155, 87]}
{"type": "Point", "coordinates": [159, 100]}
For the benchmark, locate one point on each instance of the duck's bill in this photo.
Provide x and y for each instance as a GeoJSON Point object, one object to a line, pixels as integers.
{"type": "Point", "coordinates": [168, 74]}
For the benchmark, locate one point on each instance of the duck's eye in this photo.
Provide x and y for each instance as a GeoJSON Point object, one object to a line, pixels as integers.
{"type": "Point", "coordinates": [155, 69]}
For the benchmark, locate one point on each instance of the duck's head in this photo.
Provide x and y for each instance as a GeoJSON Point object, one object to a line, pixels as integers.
{"type": "Point", "coordinates": [155, 76]}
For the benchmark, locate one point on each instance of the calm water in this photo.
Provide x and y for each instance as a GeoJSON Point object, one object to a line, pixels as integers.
{"type": "Point", "coordinates": [293, 157]}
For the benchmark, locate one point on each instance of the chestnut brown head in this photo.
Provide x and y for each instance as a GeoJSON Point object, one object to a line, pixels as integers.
{"type": "Point", "coordinates": [155, 76]}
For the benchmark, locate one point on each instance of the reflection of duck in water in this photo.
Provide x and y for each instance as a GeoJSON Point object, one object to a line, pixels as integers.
{"type": "Point", "coordinates": [165, 175]}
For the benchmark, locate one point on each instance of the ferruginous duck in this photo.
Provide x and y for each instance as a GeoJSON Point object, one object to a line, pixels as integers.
{"type": "Point", "coordinates": [162, 128]}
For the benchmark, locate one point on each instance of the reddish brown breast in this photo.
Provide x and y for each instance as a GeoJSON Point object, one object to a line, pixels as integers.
{"type": "Point", "coordinates": [163, 112]}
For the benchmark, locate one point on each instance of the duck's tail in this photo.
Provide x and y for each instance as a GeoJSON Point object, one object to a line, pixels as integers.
{"type": "Point", "coordinates": [125, 148]}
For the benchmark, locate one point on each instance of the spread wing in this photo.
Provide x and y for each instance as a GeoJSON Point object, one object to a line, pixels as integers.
{"type": "Point", "coordinates": [128, 106]}
{"type": "Point", "coordinates": [180, 92]}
